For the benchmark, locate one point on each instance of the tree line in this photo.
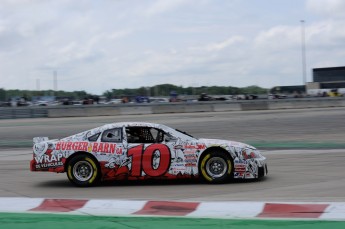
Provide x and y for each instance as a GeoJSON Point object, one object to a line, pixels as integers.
{"type": "Point", "coordinates": [5, 95]}
{"type": "Point", "coordinates": [170, 89]}
{"type": "Point", "coordinates": [157, 90]}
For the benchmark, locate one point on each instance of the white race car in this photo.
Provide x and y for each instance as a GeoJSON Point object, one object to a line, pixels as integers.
{"type": "Point", "coordinates": [136, 151]}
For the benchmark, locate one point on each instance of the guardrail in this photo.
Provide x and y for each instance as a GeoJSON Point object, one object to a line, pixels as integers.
{"type": "Point", "coordinates": [23, 112]}
{"type": "Point", "coordinates": [149, 108]}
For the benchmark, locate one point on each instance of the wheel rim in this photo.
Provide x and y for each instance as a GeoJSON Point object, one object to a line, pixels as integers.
{"type": "Point", "coordinates": [82, 170]}
{"type": "Point", "coordinates": [216, 167]}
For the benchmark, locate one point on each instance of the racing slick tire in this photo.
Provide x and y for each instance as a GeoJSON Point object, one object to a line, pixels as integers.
{"type": "Point", "coordinates": [216, 167]}
{"type": "Point", "coordinates": [83, 171]}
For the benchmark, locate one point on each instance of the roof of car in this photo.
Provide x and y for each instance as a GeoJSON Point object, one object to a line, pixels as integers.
{"type": "Point", "coordinates": [118, 124]}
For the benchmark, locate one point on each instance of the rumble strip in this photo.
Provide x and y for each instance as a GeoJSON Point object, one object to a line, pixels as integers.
{"type": "Point", "coordinates": [230, 209]}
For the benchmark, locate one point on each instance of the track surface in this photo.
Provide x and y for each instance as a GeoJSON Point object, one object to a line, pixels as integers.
{"type": "Point", "coordinates": [299, 175]}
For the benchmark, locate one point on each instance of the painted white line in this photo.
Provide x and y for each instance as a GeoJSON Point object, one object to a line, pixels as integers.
{"type": "Point", "coordinates": [111, 207]}
{"type": "Point", "coordinates": [18, 204]}
{"type": "Point", "coordinates": [334, 211]}
{"type": "Point", "coordinates": [228, 209]}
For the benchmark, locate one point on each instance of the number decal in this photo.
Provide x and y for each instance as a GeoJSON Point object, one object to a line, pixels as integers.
{"type": "Point", "coordinates": [149, 156]}
{"type": "Point", "coordinates": [136, 154]}
{"type": "Point", "coordinates": [144, 160]}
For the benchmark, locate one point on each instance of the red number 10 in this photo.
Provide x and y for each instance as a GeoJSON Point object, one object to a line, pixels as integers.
{"type": "Point", "coordinates": [142, 160]}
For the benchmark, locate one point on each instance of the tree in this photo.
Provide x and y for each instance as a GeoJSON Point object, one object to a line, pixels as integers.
{"type": "Point", "coordinates": [2, 95]}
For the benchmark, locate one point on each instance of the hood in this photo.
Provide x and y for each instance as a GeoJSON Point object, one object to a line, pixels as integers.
{"type": "Point", "coordinates": [220, 142]}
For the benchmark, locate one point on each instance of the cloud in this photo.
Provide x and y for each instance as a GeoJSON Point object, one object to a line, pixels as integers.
{"type": "Point", "coordinates": [162, 6]}
{"type": "Point", "coordinates": [96, 46]}
{"type": "Point", "coordinates": [330, 8]}
{"type": "Point", "coordinates": [224, 44]}
{"type": "Point", "coordinates": [279, 37]}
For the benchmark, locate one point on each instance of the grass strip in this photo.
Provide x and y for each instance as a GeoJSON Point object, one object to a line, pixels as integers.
{"type": "Point", "coordinates": [58, 221]}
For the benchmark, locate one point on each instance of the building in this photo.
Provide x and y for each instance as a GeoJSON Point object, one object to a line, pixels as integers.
{"type": "Point", "coordinates": [327, 79]}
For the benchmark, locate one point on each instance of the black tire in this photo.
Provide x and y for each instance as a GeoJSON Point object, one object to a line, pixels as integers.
{"type": "Point", "coordinates": [83, 171]}
{"type": "Point", "coordinates": [216, 167]}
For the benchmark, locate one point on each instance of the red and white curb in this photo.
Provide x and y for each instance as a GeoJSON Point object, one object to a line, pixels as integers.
{"type": "Point", "coordinates": [230, 209]}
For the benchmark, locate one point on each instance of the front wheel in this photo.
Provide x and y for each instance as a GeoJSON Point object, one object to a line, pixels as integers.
{"type": "Point", "coordinates": [215, 167]}
{"type": "Point", "coordinates": [83, 171]}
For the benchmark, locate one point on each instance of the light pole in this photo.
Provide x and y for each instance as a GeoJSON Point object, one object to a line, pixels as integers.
{"type": "Point", "coordinates": [38, 84]}
{"type": "Point", "coordinates": [304, 71]}
{"type": "Point", "coordinates": [54, 82]}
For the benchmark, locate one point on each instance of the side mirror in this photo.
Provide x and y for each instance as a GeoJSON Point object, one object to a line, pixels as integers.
{"type": "Point", "coordinates": [169, 138]}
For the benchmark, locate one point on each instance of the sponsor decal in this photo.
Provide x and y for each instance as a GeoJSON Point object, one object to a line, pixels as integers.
{"type": "Point", "coordinates": [94, 147]}
{"type": "Point", "coordinates": [240, 167]}
{"type": "Point", "coordinates": [190, 160]}
{"type": "Point", "coordinates": [248, 174]}
{"type": "Point", "coordinates": [50, 160]}
{"type": "Point", "coordinates": [75, 146]}
{"type": "Point", "coordinates": [105, 148]}
{"type": "Point", "coordinates": [178, 147]}
{"type": "Point", "coordinates": [190, 157]}
{"type": "Point", "coordinates": [239, 174]}
{"type": "Point", "coordinates": [49, 165]}
{"type": "Point", "coordinates": [196, 146]}
{"type": "Point", "coordinates": [246, 155]}
{"type": "Point", "coordinates": [240, 161]}
{"type": "Point", "coordinates": [178, 169]}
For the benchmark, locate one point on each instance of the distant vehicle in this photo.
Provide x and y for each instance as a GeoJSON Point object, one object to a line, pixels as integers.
{"type": "Point", "coordinates": [245, 97]}
{"type": "Point", "coordinates": [47, 103]}
{"type": "Point", "coordinates": [276, 96]}
{"type": "Point", "coordinates": [19, 102]}
{"type": "Point", "coordinates": [205, 97]}
{"type": "Point", "coordinates": [77, 102]}
{"type": "Point", "coordinates": [114, 101]}
{"type": "Point", "coordinates": [138, 151]}
{"type": "Point", "coordinates": [142, 99]}
{"type": "Point", "coordinates": [334, 93]}
{"type": "Point", "coordinates": [158, 100]}
{"type": "Point", "coordinates": [5, 104]}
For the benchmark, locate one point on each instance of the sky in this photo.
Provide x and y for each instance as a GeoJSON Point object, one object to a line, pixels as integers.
{"type": "Point", "coordinates": [105, 44]}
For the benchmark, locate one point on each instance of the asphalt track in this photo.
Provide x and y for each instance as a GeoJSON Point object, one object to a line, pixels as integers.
{"type": "Point", "coordinates": [313, 171]}
{"type": "Point", "coordinates": [274, 128]}
{"type": "Point", "coordinates": [304, 148]}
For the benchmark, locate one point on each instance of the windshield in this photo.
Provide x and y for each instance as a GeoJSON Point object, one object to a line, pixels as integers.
{"type": "Point", "coordinates": [182, 132]}
{"type": "Point", "coordinates": [177, 133]}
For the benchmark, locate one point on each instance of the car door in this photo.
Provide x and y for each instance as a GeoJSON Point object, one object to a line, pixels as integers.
{"type": "Point", "coordinates": [149, 156]}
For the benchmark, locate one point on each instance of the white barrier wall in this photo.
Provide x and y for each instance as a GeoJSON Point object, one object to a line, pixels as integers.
{"type": "Point", "coordinates": [135, 109]}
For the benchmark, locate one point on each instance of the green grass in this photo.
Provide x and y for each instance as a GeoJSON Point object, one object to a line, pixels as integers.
{"type": "Point", "coordinates": [58, 221]}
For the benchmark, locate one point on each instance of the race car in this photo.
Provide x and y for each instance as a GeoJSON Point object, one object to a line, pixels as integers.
{"type": "Point", "coordinates": [138, 151]}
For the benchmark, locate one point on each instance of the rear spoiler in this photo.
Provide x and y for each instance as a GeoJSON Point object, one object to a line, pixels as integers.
{"type": "Point", "coordinates": [39, 139]}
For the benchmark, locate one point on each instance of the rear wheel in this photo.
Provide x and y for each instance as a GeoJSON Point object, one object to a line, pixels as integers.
{"type": "Point", "coordinates": [83, 171]}
{"type": "Point", "coordinates": [215, 167]}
